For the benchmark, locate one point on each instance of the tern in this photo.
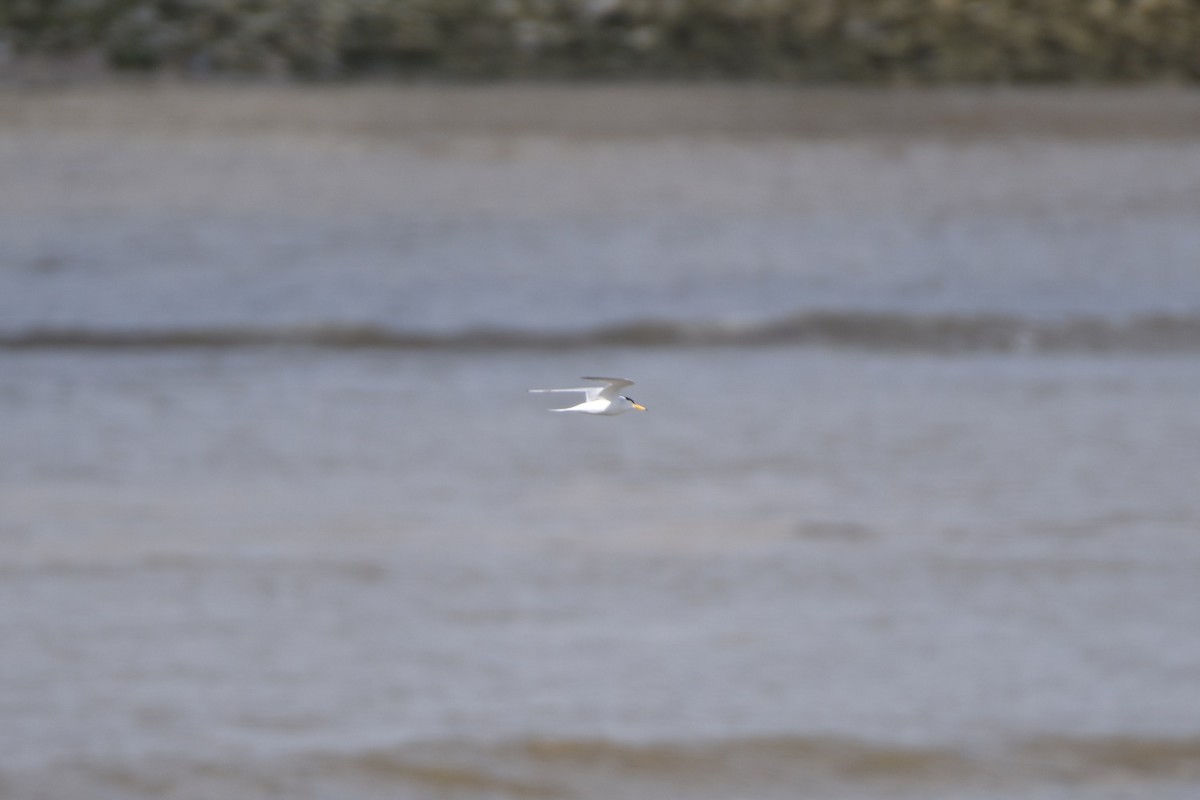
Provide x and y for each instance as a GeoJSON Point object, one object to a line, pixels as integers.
{"type": "Point", "coordinates": [602, 400]}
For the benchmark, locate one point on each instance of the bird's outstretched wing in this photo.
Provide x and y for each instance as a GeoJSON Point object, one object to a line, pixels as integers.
{"type": "Point", "coordinates": [611, 391]}
{"type": "Point", "coordinates": [590, 391]}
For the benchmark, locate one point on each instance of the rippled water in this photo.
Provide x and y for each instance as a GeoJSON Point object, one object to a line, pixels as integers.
{"type": "Point", "coordinates": [913, 512]}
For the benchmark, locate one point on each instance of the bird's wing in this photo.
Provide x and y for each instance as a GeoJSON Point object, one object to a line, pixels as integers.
{"type": "Point", "coordinates": [587, 389]}
{"type": "Point", "coordinates": [611, 389]}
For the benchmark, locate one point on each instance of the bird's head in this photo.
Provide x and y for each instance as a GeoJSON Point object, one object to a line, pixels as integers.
{"type": "Point", "coordinates": [634, 403]}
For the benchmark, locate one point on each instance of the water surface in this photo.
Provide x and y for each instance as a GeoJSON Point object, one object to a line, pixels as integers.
{"type": "Point", "coordinates": [912, 514]}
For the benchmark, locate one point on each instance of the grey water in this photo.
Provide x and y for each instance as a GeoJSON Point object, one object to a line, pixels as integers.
{"type": "Point", "coordinates": [238, 561]}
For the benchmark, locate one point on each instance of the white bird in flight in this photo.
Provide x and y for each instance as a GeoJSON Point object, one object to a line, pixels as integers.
{"type": "Point", "coordinates": [601, 399]}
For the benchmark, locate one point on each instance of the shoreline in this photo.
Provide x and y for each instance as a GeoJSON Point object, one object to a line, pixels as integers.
{"type": "Point", "coordinates": [633, 110]}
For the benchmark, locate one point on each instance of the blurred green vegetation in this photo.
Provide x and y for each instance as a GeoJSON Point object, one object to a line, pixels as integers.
{"type": "Point", "coordinates": [873, 41]}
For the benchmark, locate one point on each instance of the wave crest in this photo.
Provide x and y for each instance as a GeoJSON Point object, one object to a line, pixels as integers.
{"type": "Point", "coordinates": [851, 329]}
{"type": "Point", "coordinates": [763, 767]}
